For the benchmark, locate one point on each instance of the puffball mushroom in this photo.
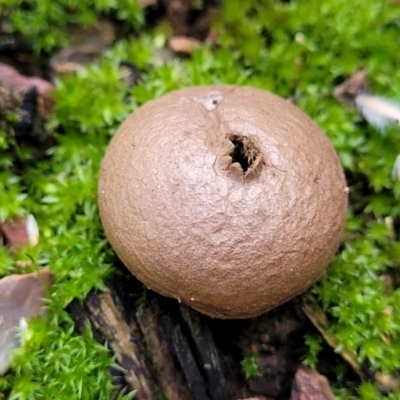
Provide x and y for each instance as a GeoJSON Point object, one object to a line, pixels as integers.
{"type": "Point", "coordinates": [227, 198]}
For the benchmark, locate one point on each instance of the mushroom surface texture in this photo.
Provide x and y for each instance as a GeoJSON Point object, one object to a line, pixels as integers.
{"type": "Point", "coordinates": [227, 198]}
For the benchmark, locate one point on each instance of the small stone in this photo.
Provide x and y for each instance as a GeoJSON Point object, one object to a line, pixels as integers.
{"type": "Point", "coordinates": [21, 298]}
{"type": "Point", "coordinates": [20, 232]}
{"type": "Point", "coordinates": [310, 385]}
{"type": "Point", "coordinates": [183, 44]}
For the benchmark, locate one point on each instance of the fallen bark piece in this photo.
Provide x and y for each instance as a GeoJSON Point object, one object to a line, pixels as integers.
{"type": "Point", "coordinates": [206, 350]}
{"type": "Point", "coordinates": [152, 322]}
{"type": "Point", "coordinates": [20, 232]}
{"type": "Point", "coordinates": [124, 339]}
{"type": "Point", "coordinates": [187, 361]}
{"type": "Point", "coordinates": [21, 298]}
{"type": "Point", "coordinates": [310, 385]}
{"type": "Point", "coordinates": [177, 346]}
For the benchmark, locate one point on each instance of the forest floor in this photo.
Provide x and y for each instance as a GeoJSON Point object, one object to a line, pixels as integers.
{"type": "Point", "coordinates": [70, 74]}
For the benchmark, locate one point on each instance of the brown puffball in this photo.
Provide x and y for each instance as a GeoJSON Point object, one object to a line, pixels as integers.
{"type": "Point", "coordinates": [227, 198]}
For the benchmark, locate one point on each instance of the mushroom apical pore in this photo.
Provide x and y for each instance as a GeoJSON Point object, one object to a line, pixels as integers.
{"type": "Point", "coordinates": [227, 198]}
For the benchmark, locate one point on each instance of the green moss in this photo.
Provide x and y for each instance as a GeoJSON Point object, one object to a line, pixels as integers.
{"type": "Point", "coordinates": [55, 363]}
{"type": "Point", "coordinates": [46, 22]}
{"type": "Point", "coordinates": [251, 366]}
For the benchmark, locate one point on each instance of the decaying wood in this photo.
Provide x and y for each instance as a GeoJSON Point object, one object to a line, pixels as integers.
{"type": "Point", "coordinates": [106, 316]}
{"type": "Point", "coordinates": [170, 351]}
{"type": "Point", "coordinates": [153, 326]}
{"type": "Point", "coordinates": [188, 363]}
{"type": "Point", "coordinates": [206, 350]}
